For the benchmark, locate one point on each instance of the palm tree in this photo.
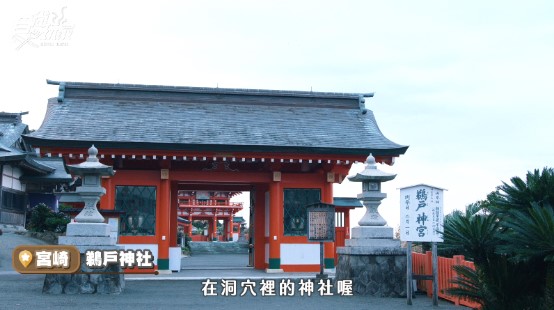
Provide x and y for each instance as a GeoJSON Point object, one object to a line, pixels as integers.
{"type": "Point", "coordinates": [473, 234]}
{"type": "Point", "coordinates": [531, 236]}
{"type": "Point", "coordinates": [510, 238]}
{"type": "Point", "coordinates": [538, 187]}
{"type": "Point", "coordinates": [496, 283]}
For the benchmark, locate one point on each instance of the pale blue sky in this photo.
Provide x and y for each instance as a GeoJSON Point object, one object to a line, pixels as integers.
{"type": "Point", "coordinates": [467, 84]}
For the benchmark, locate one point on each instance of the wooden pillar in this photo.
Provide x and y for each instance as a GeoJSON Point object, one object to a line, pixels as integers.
{"type": "Point", "coordinates": [107, 201]}
{"type": "Point", "coordinates": [173, 215]}
{"type": "Point", "coordinates": [275, 226]}
{"type": "Point", "coordinates": [259, 227]}
{"type": "Point", "coordinates": [435, 264]}
{"type": "Point", "coordinates": [190, 224]}
{"type": "Point", "coordinates": [163, 225]}
{"type": "Point", "coordinates": [214, 226]}
{"type": "Point", "coordinates": [409, 273]}
{"type": "Point", "coordinates": [347, 223]}
{"type": "Point", "coordinates": [224, 230]}
{"type": "Point", "coordinates": [230, 228]}
{"type": "Point", "coordinates": [329, 253]}
{"type": "Point", "coordinates": [210, 230]}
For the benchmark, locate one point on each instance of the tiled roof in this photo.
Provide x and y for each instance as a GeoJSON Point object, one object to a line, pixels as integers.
{"type": "Point", "coordinates": [53, 170]}
{"type": "Point", "coordinates": [349, 202]}
{"type": "Point", "coordinates": [116, 115]}
{"type": "Point", "coordinates": [35, 168]}
{"type": "Point", "coordinates": [11, 129]}
{"type": "Point", "coordinates": [238, 219]}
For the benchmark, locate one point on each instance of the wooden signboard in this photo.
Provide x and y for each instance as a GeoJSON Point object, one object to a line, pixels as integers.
{"type": "Point", "coordinates": [321, 222]}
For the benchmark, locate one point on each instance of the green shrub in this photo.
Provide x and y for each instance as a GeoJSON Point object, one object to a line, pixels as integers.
{"type": "Point", "coordinates": [43, 219]}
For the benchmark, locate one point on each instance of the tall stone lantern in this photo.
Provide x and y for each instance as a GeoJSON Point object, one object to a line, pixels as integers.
{"type": "Point", "coordinates": [88, 232]}
{"type": "Point", "coordinates": [91, 172]}
{"type": "Point", "coordinates": [371, 196]}
{"type": "Point", "coordinates": [372, 259]}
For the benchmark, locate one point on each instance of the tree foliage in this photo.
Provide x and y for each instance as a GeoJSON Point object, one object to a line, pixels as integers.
{"type": "Point", "coordinates": [510, 238]}
{"type": "Point", "coordinates": [42, 219]}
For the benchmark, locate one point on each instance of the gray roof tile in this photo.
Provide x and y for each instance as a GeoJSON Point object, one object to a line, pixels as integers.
{"type": "Point", "coordinates": [181, 116]}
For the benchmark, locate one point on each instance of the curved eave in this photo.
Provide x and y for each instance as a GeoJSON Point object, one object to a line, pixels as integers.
{"type": "Point", "coordinates": [44, 179]}
{"type": "Point", "coordinates": [102, 171]}
{"type": "Point", "coordinates": [381, 177]}
{"type": "Point", "coordinates": [39, 142]}
{"type": "Point", "coordinates": [12, 158]}
{"type": "Point", "coordinates": [26, 161]}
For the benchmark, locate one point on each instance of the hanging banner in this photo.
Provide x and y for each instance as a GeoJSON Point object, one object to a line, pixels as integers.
{"type": "Point", "coordinates": [421, 213]}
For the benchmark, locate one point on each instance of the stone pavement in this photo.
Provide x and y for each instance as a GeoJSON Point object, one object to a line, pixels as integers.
{"type": "Point", "coordinates": [182, 290]}
{"type": "Point", "coordinates": [8, 241]}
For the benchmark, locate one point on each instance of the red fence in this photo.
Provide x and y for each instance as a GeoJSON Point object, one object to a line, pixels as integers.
{"type": "Point", "coordinates": [422, 265]}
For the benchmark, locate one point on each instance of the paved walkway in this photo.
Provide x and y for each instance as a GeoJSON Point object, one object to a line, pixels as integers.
{"type": "Point", "coordinates": [217, 266]}
{"type": "Point", "coordinates": [182, 289]}
{"type": "Point", "coordinates": [8, 242]}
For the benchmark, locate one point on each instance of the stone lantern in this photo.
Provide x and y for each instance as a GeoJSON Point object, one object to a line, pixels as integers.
{"type": "Point", "coordinates": [91, 172]}
{"type": "Point", "coordinates": [371, 196]}
{"type": "Point", "coordinates": [88, 232]}
{"type": "Point", "coordinates": [372, 259]}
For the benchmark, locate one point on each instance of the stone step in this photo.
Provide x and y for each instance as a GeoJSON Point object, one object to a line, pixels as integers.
{"type": "Point", "coordinates": [199, 247]}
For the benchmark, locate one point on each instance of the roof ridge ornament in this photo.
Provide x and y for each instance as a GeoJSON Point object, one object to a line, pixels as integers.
{"type": "Point", "coordinates": [61, 93]}
{"type": "Point", "coordinates": [361, 102]}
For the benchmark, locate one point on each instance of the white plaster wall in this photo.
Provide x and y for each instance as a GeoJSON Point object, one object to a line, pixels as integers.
{"type": "Point", "coordinates": [299, 254]}
{"type": "Point", "coordinates": [16, 183]}
{"type": "Point", "coordinates": [10, 178]}
{"type": "Point", "coordinates": [17, 173]}
{"type": "Point", "coordinates": [7, 179]}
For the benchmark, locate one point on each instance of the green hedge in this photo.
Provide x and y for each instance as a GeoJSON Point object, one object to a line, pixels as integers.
{"type": "Point", "coordinates": [42, 219]}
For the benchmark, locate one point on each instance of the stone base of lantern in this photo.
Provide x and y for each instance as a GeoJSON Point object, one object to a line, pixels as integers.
{"type": "Point", "coordinates": [374, 261]}
{"type": "Point", "coordinates": [106, 280]}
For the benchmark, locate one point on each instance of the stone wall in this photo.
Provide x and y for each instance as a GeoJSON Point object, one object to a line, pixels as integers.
{"type": "Point", "coordinates": [108, 280]}
{"type": "Point", "coordinates": [374, 275]}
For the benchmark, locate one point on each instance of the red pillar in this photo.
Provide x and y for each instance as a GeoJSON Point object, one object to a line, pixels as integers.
{"type": "Point", "coordinates": [214, 225]}
{"type": "Point", "coordinates": [210, 230]}
{"type": "Point", "coordinates": [224, 229]}
{"type": "Point", "coordinates": [230, 228]}
{"type": "Point", "coordinates": [107, 201]}
{"type": "Point", "coordinates": [163, 226]}
{"type": "Point", "coordinates": [173, 215]}
{"type": "Point", "coordinates": [347, 223]}
{"type": "Point", "coordinates": [329, 247]}
{"type": "Point", "coordinates": [275, 223]}
{"type": "Point", "coordinates": [190, 225]}
{"type": "Point", "coordinates": [259, 227]}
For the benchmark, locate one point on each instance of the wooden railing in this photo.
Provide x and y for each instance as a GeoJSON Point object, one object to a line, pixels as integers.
{"type": "Point", "coordinates": [421, 265]}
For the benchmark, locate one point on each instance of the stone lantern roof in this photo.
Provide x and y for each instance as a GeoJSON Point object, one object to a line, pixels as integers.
{"type": "Point", "coordinates": [91, 166]}
{"type": "Point", "coordinates": [371, 173]}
